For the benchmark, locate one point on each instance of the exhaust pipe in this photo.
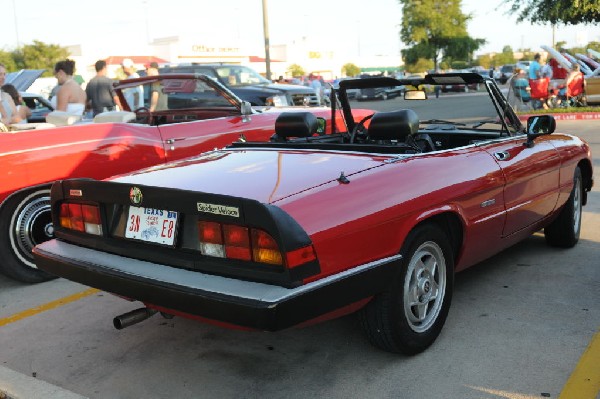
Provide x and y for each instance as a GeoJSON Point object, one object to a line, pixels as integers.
{"type": "Point", "coordinates": [133, 317]}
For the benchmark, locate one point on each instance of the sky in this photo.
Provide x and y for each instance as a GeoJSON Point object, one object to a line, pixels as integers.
{"type": "Point", "coordinates": [358, 27]}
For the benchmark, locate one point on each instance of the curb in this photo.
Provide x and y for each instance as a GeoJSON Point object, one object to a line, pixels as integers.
{"type": "Point", "coordinates": [14, 385]}
{"type": "Point", "coordinates": [567, 116]}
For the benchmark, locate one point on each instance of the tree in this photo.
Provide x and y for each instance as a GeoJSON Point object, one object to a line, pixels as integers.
{"type": "Point", "coordinates": [594, 46]}
{"type": "Point", "coordinates": [419, 66]}
{"type": "Point", "coordinates": [568, 12]}
{"type": "Point", "coordinates": [40, 56]}
{"type": "Point", "coordinates": [34, 56]}
{"type": "Point", "coordinates": [436, 29]}
{"type": "Point", "coordinates": [486, 61]}
{"type": "Point", "coordinates": [350, 69]}
{"type": "Point", "coordinates": [8, 61]}
{"type": "Point", "coordinates": [507, 56]}
{"type": "Point", "coordinates": [296, 70]}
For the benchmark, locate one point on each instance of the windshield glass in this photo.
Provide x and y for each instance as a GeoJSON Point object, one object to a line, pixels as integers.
{"type": "Point", "coordinates": [170, 94]}
{"type": "Point", "coordinates": [237, 75]}
{"type": "Point", "coordinates": [449, 105]}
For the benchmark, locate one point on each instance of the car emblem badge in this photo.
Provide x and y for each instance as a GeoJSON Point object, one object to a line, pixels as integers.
{"type": "Point", "coordinates": [135, 195]}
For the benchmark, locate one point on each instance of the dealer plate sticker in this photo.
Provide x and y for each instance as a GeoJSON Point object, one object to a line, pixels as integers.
{"type": "Point", "coordinates": [151, 225]}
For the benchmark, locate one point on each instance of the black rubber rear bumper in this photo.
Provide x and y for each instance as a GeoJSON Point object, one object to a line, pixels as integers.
{"type": "Point", "coordinates": [244, 303]}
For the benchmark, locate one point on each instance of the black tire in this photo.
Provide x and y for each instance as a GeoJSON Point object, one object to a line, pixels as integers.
{"type": "Point", "coordinates": [25, 221]}
{"type": "Point", "coordinates": [565, 229]}
{"type": "Point", "coordinates": [427, 269]}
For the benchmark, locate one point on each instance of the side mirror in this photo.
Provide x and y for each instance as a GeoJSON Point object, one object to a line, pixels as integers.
{"type": "Point", "coordinates": [539, 125]}
{"type": "Point", "coordinates": [321, 126]}
{"type": "Point", "coordinates": [246, 108]}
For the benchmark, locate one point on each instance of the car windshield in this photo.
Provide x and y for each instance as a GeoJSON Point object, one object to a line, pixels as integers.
{"type": "Point", "coordinates": [164, 93]}
{"type": "Point", "coordinates": [238, 75]}
{"type": "Point", "coordinates": [452, 102]}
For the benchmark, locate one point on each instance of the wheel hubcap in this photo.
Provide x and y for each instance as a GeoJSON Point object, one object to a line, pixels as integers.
{"type": "Point", "coordinates": [577, 206]}
{"type": "Point", "coordinates": [33, 225]}
{"type": "Point", "coordinates": [424, 286]}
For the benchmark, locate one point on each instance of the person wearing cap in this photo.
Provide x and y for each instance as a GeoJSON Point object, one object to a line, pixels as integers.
{"type": "Point", "coordinates": [100, 91]}
{"type": "Point", "coordinates": [133, 95]}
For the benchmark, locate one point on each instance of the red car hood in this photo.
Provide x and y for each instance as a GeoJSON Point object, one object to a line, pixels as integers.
{"type": "Point", "coordinates": [263, 175]}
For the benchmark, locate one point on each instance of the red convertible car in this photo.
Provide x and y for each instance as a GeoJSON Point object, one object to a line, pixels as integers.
{"type": "Point", "coordinates": [193, 114]}
{"type": "Point", "coordinates": [376, 219]}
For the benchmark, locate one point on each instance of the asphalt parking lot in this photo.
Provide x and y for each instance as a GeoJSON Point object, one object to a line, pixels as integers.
{"type": "Point", "coordinates": [523, 324]}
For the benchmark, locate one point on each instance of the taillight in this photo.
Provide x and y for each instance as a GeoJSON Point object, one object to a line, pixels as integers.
{"type": "Point", "coordinates": [249, 244]}
{"type": "Point", "coordinates": [210, 236]}
{"type": "Point", "coordinates": [265, 249]}
{"type": "Point", "coordinates": [237, 242]}
{"type": "Point", "coordinates": [80, 217]}
{"type": "Point", "coordinates": [301, 256]}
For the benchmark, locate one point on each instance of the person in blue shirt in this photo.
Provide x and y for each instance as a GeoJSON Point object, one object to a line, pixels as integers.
{"type": "Point", "coordinates": [535, 68]}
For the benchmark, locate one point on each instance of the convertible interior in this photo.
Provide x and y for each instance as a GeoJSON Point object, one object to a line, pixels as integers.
{"type": "Point", "coordinates": [391, 132]}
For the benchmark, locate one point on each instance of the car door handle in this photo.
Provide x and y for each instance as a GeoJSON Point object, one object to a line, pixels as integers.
{"type": "Point", "coordinates": [173, 140]}
{"type": "Point", "coordinates": [502, 156]}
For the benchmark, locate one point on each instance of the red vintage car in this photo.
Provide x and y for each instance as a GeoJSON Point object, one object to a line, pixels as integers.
{"type": "Point", "coordinates": [194, 114]}
{"type": "Point", "coordinates": [303, 228]}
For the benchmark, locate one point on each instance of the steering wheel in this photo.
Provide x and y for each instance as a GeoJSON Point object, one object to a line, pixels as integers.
{"type": "Point", "coordinates": [360, 126]}
{"type": "Point", "coordinates": [143, 115]}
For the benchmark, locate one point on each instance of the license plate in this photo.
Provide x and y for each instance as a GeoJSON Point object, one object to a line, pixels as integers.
{"type": "Point", "coordinates": [151, 225]}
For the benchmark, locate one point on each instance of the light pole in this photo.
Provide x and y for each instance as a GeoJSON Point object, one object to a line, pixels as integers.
{"type": "Point", "coordinates": [16, 25]}
{"type": "Point", "coordinates": [266, 33]}
{"type": "Point", "coordinates": [145, 3]}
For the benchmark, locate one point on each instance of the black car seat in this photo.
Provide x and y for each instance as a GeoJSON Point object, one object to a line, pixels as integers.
{"type": "Point", "coordinates": [294, 124]}
{"type": "Point", "coordinates": [423, 141]}
{"type": "Point", "coordinates": [393, 125]}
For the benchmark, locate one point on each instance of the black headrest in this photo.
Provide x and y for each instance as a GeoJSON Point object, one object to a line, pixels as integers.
{"type": "Point", "coordinates": [295, 124]}
{"type": "Point", "coordinates": [393, 125]}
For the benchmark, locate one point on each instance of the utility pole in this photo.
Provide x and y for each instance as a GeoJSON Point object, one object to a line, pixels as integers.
{"type": "Point", "coordinates": [266, 32]}
{"type": "Point", "coordinates": [16, 24]}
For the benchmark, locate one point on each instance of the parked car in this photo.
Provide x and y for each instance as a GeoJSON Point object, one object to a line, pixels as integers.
{"type": "Point", "coordinates": [39, 105]}
{"type": "Point", "coordinates": [461, 87]}
{"type": "Point", "coordinates": [378, 93]}
{"type": "Point", "coordinates": [592, 89]}
{"type": "Point", "coordinates": [523, 65]}
{"type": "Point", "coordinates": [194, 114]}
{"type": "Point", "coordinates": [250, 86]}
{"type": "Point", "coordinates": [506, 72]}
{"type": "Point", "coordinates": [376, 219]}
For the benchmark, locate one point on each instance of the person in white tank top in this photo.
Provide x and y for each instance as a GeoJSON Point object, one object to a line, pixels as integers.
{"type": "Point", "coordinates": [72, 108]}
{"type": "Point", "coordinates": [70, 97]}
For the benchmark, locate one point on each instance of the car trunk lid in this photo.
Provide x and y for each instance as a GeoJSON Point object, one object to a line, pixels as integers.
{"type": "Point", "coordinates": [263, 175]}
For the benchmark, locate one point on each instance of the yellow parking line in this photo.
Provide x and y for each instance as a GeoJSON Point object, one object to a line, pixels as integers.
{"type": "Point", "coordinates": [47, 306]}
{"type": "Point", "coordinates": [584, 382]}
